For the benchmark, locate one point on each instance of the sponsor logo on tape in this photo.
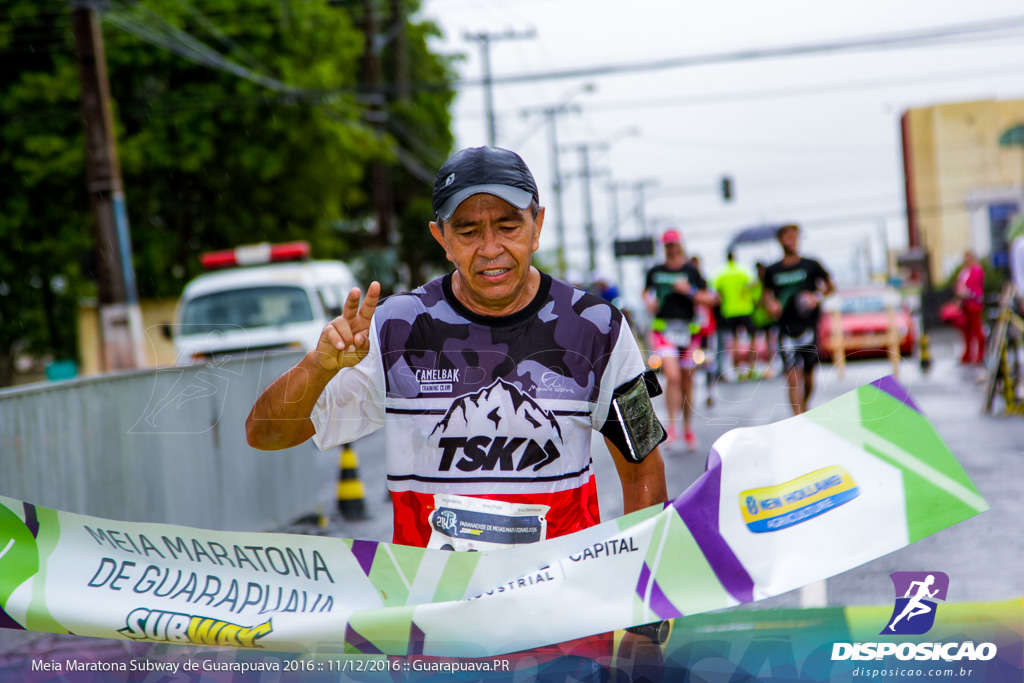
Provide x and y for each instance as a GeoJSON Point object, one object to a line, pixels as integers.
{"type": "Point", "coordinates": [773, 508]}
{"type": "Point", "coordinates": [174, 627]}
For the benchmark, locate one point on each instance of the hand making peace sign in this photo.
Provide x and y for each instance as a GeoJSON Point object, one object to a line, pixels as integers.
{"type": "Point", "coordinates": [346, 339]}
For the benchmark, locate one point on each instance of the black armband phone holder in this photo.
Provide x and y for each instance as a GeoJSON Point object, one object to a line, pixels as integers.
{"type": "Point", "coordinates": [632, 425]}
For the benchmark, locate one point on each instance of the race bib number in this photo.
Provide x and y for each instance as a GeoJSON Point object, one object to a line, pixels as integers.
{"type": "Point", "coordinates": [677, 332]}
{"type": "Point", "coordinates": [464, 523]}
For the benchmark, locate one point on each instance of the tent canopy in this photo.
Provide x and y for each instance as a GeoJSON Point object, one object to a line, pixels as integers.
{"type": "Point", "coordinates": [758, 233]}
{"type": "Point", "coordinates": [1012, 137]}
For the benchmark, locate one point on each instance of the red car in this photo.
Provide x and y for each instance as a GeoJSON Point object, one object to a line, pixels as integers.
{"type": "Point", "coordinates": [865, 320]}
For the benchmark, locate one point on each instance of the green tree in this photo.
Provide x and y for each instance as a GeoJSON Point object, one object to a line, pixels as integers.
{"type": "Point", "coordinates": [266, 140]}
{"type": "Point", "coordinates": [420, 125]}
{"type": "Point", "coordinates": [44, 221]}
{"type": "Point", "coordinates": [212, 160]}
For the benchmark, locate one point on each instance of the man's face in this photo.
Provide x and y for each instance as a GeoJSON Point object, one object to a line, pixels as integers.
{"type": "Point", "coordinates": [788, 239]}
{"type": "Point", "coordinates": [491, 243]}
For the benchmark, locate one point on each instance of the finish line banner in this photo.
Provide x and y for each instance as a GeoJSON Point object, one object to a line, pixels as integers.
{"type": "Point", "coordinates": [779, 506]}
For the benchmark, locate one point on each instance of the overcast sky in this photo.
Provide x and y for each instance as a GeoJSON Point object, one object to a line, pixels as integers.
{"type": "Point", "coordinates": [810, 138]}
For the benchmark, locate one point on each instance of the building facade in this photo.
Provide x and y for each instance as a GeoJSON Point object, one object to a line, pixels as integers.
{"type": "Point", "coordinates": [964, 174]}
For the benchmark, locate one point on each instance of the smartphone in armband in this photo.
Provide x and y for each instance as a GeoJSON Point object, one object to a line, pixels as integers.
{"type": "Point", "coordinates": [632, 410]}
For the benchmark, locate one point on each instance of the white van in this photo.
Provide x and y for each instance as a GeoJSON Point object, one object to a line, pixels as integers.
{"type": "Point", "coordinates": [266, 297]}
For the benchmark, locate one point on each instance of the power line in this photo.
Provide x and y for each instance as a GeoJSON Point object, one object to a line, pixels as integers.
{"type": "Point", "coordinates": [881, 41]}
{"type": "Point", "coordinates": [26, 18]}
{"type": "Point", "coordinates": [161, 33]}
{"type": "Point", "coordinates": [484, 39]}
{"type": "Point", "coordinates": [217, 33]}
{"type": "Point", "coordinates": [826, 222]}
{"type": "Point", "coordinates": [414, 166]}
{"type": "Point", "coordinates": [435, 156]}
{"type": "Point", "coordinates": [50, 33]}
{"type": "Point", "coordinates": [808, 90]}
{"type": "Point", "coordinates": [935, 36]}
{"type": "Point", "coordinates": [938, 35]}
{"type": "Point", "coordinates": [740, 146]}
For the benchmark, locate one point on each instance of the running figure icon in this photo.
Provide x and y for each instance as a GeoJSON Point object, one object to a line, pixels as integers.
{"type": "Point", "coordinates": [917, 594]}
{"type": "Point", "coordinates": [915, 606]}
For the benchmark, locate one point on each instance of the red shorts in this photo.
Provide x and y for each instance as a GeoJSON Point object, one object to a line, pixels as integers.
{"type": "Point", "coordinates": [666, 349]}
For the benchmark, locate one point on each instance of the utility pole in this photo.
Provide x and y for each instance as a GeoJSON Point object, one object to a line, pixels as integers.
{"type": "Point", "coordinates": [868, 264]}
{"type": "Point", "coordinates": [638, 193]}
{"type": "Point", "coordinates": [377, 116]}
{"type": "Point", "coordinates": [613, 190]}
{"type": "Point", "coordinates": [401, 50]}
{"type": "Point", "coordinates": [120, 316]}
{"type": "Point", "coordinates": [286, 16]}
{"type": "Point", "coordinates": [584, 149]}
{"type": "Point", "coordinates": [551, 116]}
{"type": "Point", "coordinates": [588, 210]}
{"type": "Point", "coordinates": [883, 235]}
{"type": "Point", "coordinates": [484, 39]}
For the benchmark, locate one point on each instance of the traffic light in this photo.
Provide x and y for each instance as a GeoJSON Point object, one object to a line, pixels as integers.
{"type": "Point", "coordinates": [726, 188]}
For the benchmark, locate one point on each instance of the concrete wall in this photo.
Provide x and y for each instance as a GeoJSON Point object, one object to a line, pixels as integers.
{"type": "Point", "coordinates": [164, 445]}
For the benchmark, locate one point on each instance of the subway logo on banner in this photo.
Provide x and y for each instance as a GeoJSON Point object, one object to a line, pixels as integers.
{"type": "Point", "coordinates": [172, 627]}
{"type": "Point", "coordinates": [777, 507]}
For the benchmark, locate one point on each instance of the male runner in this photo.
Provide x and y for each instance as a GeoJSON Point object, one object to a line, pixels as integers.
{"type": "Point", "coordinates": [671, 290]}
{"type": "Point", "coordinates": [793, 289]}
{"type": "Point", "coordinates": [487, 381]}
{"type": "Point", "coordinates": [733, 284]}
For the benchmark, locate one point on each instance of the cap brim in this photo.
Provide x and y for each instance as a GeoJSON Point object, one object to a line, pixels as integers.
{"type": "Point", "coordinates": [515, 196]}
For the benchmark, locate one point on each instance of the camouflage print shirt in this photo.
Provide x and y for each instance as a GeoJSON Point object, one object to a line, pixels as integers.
{"type": "Point", "coordinates": [488, 420]}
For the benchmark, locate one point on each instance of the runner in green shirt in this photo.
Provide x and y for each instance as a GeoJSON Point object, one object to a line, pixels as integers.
{"type": "Point", "coordinates": [733, 284]}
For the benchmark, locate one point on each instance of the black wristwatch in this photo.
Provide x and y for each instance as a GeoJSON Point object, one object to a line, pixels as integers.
{"type": "Point", "coordinates": [657, 631]}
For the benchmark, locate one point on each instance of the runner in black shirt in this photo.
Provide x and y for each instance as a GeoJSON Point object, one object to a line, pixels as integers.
{"type": "Point", "coordinates": [670, 292]}
{"type": "Point", "coordinates": [793, 289]}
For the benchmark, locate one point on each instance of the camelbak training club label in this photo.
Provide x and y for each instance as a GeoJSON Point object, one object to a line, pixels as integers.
{"type": "Point", "coordinates": [772, 508]}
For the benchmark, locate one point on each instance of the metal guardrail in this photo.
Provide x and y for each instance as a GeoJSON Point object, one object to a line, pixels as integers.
{"type": "Point", "coordinates": [162, 445]}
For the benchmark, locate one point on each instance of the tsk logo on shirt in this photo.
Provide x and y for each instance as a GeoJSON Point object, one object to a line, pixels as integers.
{"type": "Point", "coordinates": [497, 428]}
{"type": "Point", "coordinates": [437, 380]}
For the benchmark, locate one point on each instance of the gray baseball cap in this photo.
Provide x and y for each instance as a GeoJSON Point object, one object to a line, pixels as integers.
{"type": "Point", "coordinates": [483, 170]}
